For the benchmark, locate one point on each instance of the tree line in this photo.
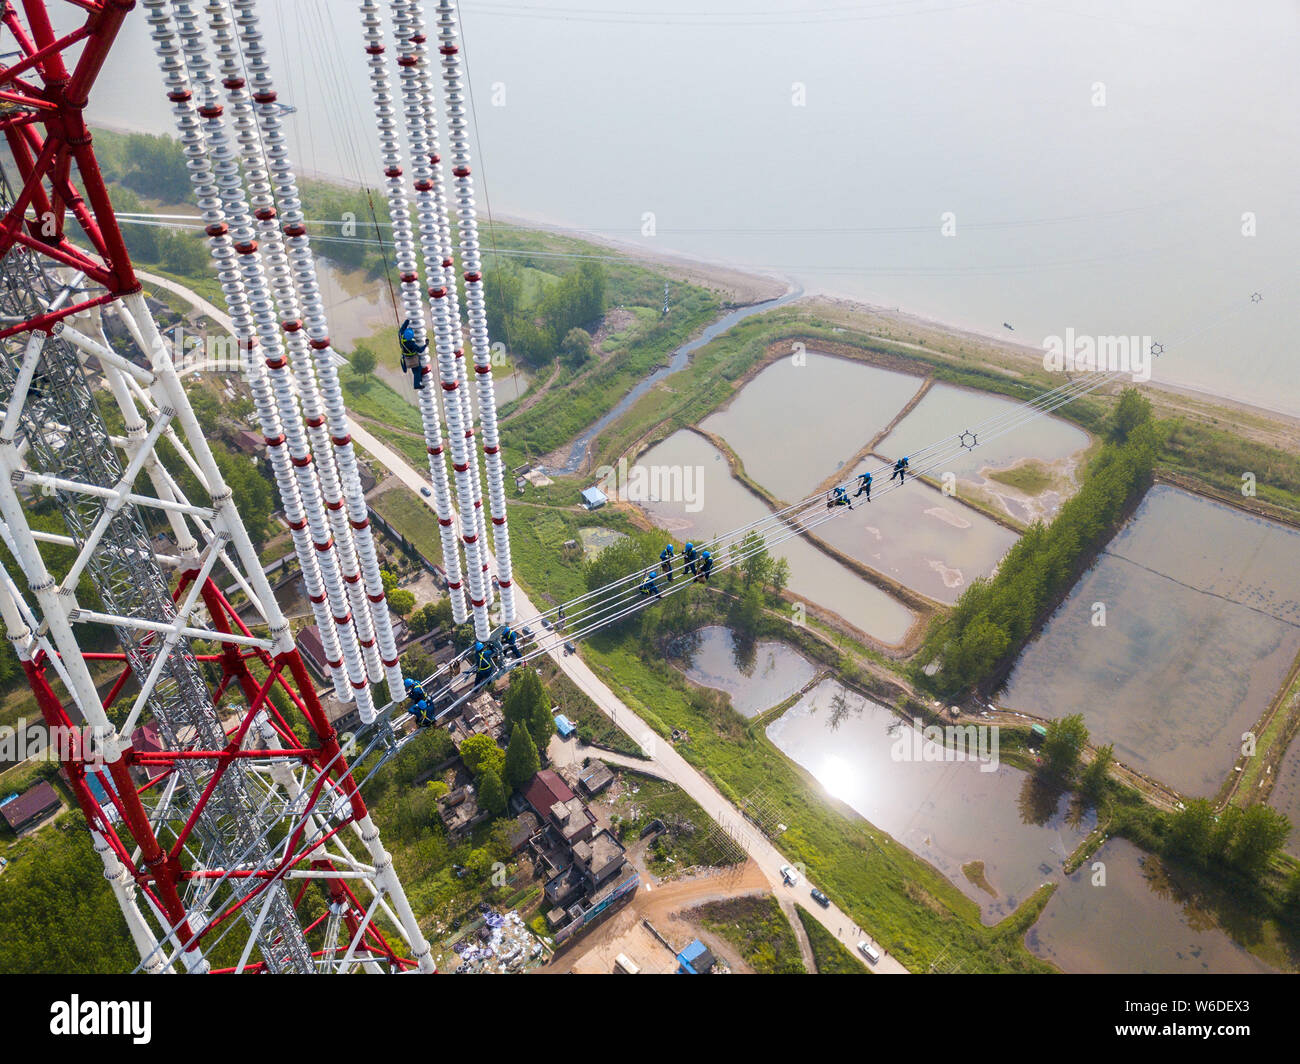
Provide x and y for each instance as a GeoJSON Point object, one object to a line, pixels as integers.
{"type": "Point", "coordinates": [556, 322]}
{"type": "Point", "coordinates": [995, 616]}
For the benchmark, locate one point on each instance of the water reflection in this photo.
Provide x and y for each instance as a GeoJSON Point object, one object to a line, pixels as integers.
{"type": "Point", "coordinates": [1143, 917]}
{"type": "Point", "coordinates": [1202, 624]}
{"type": "Point", "coordinates": [756, 675]}
{"type": "Point", "coordinates": [991, 833]}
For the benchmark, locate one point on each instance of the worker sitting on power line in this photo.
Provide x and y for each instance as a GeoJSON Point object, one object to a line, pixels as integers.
{"type": "Point", "coordinates": [510, 642]}
{"type": "Point", "coordinates": [484, 666]}
{"type": "Point", "coordinates": [900, 470]}
{"type": "Point", "coordinates": [423, 713]}
{"type": "Point", "coordinates": [666, 556]}
{"type": "Point", "coordinates": [688, 558]}
{"type": "Point", "coordinates": [650, 587]}
{"type": "Point", "coordinates": [839, 497]}
{"type": "Point", "coordinates": [706, 566]}
{"type": "Point", "coordinates": [411, 352]}
{"type": "Point", "coordinates": [864, 486]}
{"type": "Point", "coordinates": [413, 690]}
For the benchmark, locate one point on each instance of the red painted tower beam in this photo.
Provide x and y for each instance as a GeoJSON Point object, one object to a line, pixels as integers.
{"type": "Point", "coordinates": [60, 192]}
{"type": "Point", "coordinates": [42, 105]}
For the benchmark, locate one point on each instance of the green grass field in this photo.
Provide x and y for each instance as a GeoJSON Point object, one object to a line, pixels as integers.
{"type": "Point", "coordinates": [829, 953]}
{"type": "Point", "coordinates": [758, 929]}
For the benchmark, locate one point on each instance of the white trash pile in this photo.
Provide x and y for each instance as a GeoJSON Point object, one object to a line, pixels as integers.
{"type": "Point", "coordinates": [503, 944]}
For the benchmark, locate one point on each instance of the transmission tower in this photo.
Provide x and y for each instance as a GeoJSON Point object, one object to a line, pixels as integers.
{"type": "Point", "coordinates": [228, 847]}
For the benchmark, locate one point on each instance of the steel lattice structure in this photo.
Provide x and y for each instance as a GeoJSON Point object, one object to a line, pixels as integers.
{"type": "Point", "coordinates": [226, 848]}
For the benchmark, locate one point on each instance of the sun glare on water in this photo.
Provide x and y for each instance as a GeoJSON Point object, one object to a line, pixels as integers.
{"type": "Point", "coordinates": [838, 778]}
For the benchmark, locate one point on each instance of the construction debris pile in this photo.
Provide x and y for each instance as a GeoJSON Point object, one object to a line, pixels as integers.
{"type": "Point", "coordinates": [502, 943]}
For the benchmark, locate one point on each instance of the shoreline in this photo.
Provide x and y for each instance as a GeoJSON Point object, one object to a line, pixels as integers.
{"type": "Point", "coordinates": [747, 287]}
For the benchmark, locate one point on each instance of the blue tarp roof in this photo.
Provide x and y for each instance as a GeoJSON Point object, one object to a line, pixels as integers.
{"type": "Point", "coordinates": [594, 497]}
{"type": "Point", "coordinates": [564, 726]}
{"type": "Point", "coordinates": [691, 954]}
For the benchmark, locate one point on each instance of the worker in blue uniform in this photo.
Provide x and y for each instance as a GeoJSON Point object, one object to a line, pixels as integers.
{"type": "Point", "coordinates": [688, 558]}
{"type": "Point", "coordinates": [706, 566]}
{"type": "Point", "coordinates": [839, 497]}
{"type": "Point", "coordinates": [423, 713]}
{"type": "Point", "coordinates": [900, 470]}
{"type": "Point", "coordinates": [510, 643]}
{"type": "Point", "coordinates": [482, 659]}
{"type": "Point", "coordinates": [864, 486]}
{"type": "Point", "coordinates": [411, 352]}
{"type": "Point", "coordinates": [650, 587]}
{"type": "Point", "coordinates": [414, 691]}
{"type": "Point", "coordinates": [666, 556]}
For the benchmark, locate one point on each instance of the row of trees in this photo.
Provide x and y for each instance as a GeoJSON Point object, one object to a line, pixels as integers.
{"type": "Point", "coordinates": [994, 617]}
{"type": "Point", "coordinates": [1245, 840]}
{"type": "Point", "coordinates": [557, 322]}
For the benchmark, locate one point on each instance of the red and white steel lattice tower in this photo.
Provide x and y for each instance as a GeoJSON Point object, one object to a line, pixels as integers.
{"type": "Point", "coordinates": [226, 844]}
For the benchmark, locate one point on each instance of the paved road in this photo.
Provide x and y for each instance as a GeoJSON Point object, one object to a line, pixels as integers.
{"type": "Point", "coordinates": [667, 762]}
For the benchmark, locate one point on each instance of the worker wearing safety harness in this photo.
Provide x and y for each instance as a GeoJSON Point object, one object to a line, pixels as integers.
{"type": "Point", "coordinates": [839, 497]}
{"type": "Point", "coordinates": [688, 559]}
{"type": "Point", "coordinates": [481, 657]}
{"type": "Point", "coordinates": [864, 486]}
{"type": "Point", "coordinates": [510, 642]}
{"type": "Point", "coordinates": [411, 352]}
{"type": "Point", "coordinates": [666, 556]}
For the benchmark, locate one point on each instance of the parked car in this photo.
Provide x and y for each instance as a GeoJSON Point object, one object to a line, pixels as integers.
{"type": "Point", "coordinates": [790, 876]}
{"type": "Point", "coordinates": [820, 898]}
{"type": "Point", "coordinates": [869, 951]}
{"type": "Point", "coordinates": [425, 492]}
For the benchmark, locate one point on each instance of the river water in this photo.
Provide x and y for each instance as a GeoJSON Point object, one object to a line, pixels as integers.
{"type": "Point", "coordinates": [1097, 160]}
{"type": "Point", "coordinates": [677, 361]}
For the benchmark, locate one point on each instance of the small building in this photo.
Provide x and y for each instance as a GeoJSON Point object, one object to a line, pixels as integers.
{"type": "Point", "coordinates": [696, 959]}
{"type": "Point", "coordinates": [146, 740]}
{"type": "Point", "coordinates": [250, 443]}
{"type": "Point", "coordinates": [593, 498]}
{"type": "Point", "coordinates": [573, 820]}
{"type": "Point", "coordinates": [30, 807]}
{"type": "Point", "coordinates": [545, 790]}
{"type": "Point", "coordinates": [522, 828]}
{"type": "Point", "coordinates": [599, 859]}
{"type": "Point", "coordinates": [564, 726]}
{"type": "Point", "coordinates": [460, 811]}
{"type": "Point", "coordinates": [595, 778]}
{"type": "Point", "coordinates": [313, 651]}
